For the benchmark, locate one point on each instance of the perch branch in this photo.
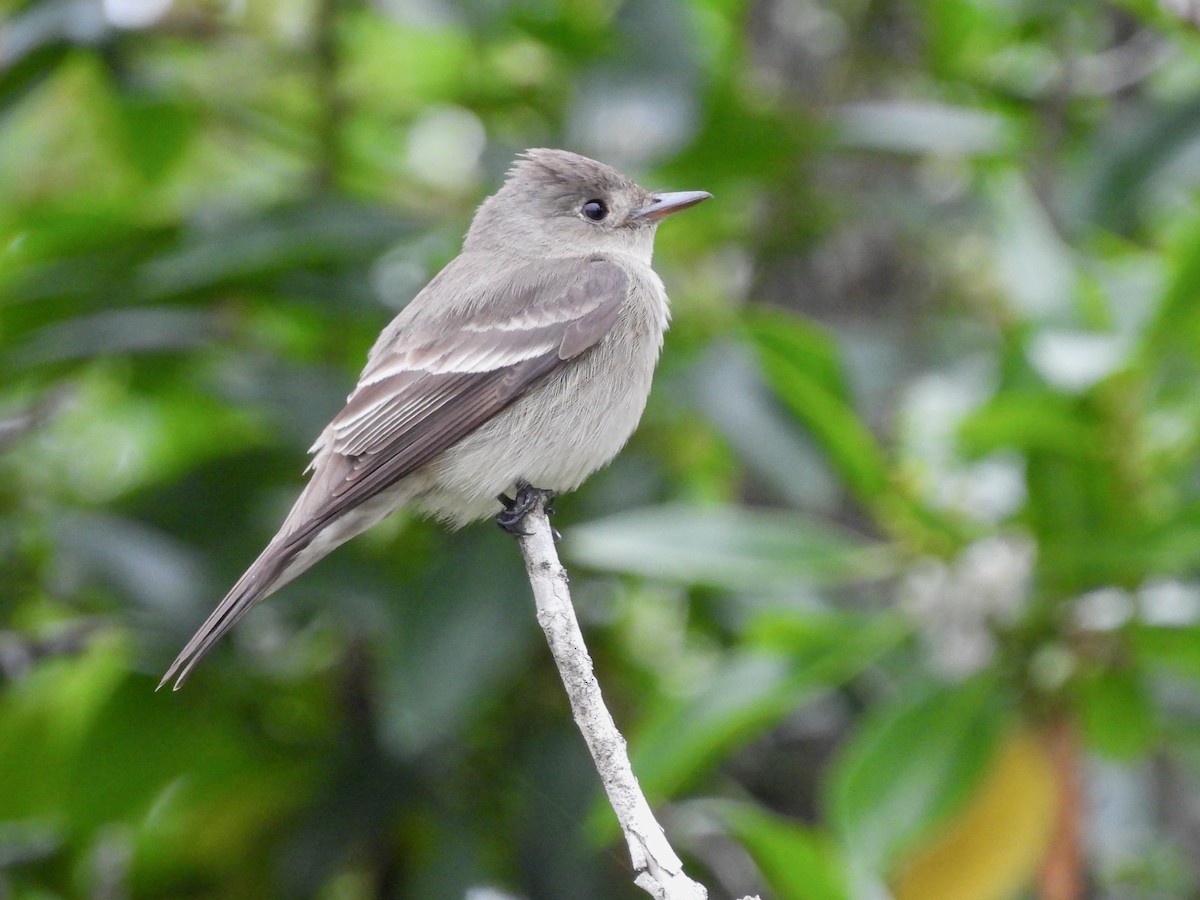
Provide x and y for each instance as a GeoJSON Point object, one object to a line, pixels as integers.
{"type": "Point", "coordinates": [659, 870]}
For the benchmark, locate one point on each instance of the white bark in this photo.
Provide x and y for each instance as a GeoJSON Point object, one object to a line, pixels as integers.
{"type": "Point", "coordinates": [659, 870]}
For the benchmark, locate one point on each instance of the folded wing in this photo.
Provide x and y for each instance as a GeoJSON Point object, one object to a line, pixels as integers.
{"type": "Point", "coordinates": [425, 388]}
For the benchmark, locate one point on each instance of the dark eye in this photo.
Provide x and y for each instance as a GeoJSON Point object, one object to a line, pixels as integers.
{"type": "Point", "coordinates": [595, 210]}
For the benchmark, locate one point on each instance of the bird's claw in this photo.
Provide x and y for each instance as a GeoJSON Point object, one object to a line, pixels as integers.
{"type": "Point", "coordinates": [516, 509]}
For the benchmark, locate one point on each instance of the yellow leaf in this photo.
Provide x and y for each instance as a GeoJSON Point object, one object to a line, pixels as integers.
{"type": "Point", "coordinates": [993, 847]}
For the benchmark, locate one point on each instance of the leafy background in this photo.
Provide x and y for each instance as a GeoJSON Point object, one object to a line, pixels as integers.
{"type": "Point", "coordinates": [895, 591]}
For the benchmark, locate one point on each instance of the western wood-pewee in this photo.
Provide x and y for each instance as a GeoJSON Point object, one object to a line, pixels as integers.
{"type": "Point", "coordinates": [526, 361]}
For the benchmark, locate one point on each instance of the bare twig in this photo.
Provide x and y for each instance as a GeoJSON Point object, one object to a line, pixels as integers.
{"type": "Point", "coordinates": [659, 869]}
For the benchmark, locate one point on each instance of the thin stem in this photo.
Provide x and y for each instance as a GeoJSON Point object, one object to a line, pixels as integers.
{"type": "Point", "coordinates": [660, 871]}
{"type": "Point", "coordinates": [1063, 871]}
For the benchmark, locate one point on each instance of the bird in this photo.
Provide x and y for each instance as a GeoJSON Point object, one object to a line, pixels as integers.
{"type": "Point", "coordinates": [524, 364]}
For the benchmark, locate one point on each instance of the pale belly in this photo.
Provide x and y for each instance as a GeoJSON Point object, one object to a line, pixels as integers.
{"type": "Point", "coordinates": [553, 438]}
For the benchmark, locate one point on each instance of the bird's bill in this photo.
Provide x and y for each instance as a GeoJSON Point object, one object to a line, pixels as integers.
{"type": "Point", "coordinates": [663, 205]}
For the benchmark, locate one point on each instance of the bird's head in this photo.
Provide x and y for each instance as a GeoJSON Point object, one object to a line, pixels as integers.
{"type": "Point", "coordinates": [556, 203]}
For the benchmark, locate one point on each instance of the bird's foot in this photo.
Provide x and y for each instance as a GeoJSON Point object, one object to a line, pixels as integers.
{"type": "Point", "coordinates": [516, 509]}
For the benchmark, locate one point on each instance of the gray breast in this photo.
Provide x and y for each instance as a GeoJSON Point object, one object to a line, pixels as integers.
{"type": "Point", "coordinates": [564, 429]}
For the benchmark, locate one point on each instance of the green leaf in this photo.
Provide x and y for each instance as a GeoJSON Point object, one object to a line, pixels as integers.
{"type": "Point", "coordinates": [802, 345]}
{"type": "Point", "coordinates": [798, 863]}
{"type": "Point", "coordinates": [44, 718]}
{"type": "Point", "coordinates": [801, 365]}
{"type": "Point", "coordinates": [1116, 713]}
{"type": "Point", "coordinates": [791, 658]}
{"type": "Point", "coordinates": [728, 547]}
{"type": "Point", "coordinates": [1177, 324]}
{"type": "Point", "coordinates": [912, 763]}
{"type": "Point", "coordinates": [308, 235]}
{"type": "Point", "coordinates": [19, 77]}
{"type": "Point", "coordinates": [1175, 648]}
{"type": "Point", "coordinates": [802, 368]}
{"type": "Point", "coordinates": [1128, 169]}
{"type": "Point", "coordinates": [469, 631]}
{"type": "Point", "coordinates": [1029, 421]}
{"type": "Point", "coordinates": [155, 132]}
{"type": "Point", "coordinates": [118, 331]}
{"type": "Point", "coordinates": [818, 639]}
{"type": "Point", "coordinates": [226, 776]}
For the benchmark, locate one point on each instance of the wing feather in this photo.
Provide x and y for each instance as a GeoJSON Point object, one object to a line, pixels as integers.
{"type": "Point", "coordinates": [420, 394]}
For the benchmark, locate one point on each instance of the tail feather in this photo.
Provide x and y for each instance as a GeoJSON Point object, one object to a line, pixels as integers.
{"type": "Point", "coordinates": [267, 574]}
{"type": "Point", "coordinates": [302, 540]}
{"type": "Point", "coordinates": [308, 534]}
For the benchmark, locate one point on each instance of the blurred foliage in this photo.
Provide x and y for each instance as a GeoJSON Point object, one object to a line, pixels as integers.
{"type": "Point", "coordinates": [896, 590]}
